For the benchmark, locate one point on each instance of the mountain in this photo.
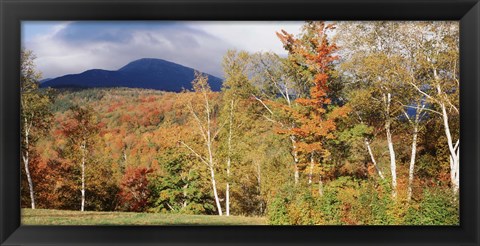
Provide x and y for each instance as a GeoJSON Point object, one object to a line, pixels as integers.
{"type": "Point", "coordinates": [45, 80]}
{"type": "Point", "coordinates": [147, 73]}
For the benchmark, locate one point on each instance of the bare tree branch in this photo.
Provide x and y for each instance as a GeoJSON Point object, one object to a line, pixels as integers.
{"type": "Point", "coordinates": [264, 105]}
{"type": "Point", "coordinates": [195, 153]}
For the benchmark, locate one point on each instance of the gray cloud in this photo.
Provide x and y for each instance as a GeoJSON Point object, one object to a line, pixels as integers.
{"type": "Point", "coordinates": [81, 46]}
{"type": "Point", "coordinates": [78, 46]}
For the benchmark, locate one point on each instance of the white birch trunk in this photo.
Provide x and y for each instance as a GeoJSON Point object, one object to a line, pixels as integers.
{"type": "Point", "coordinates": [295, 159]}
{"type": "Point", "coordinates": [320, 185]}
{"type": "Point", "coordinates": [26, 160]}
{"type": "Point", "coordinates": [370, 152]}
{"type": "Point", "coordinates": [184, 204]}
{"type": "Point", "coordinates": [454, 150]}
{"type": "Point", "coordinates": [227, 199]}
{"type": "Point", "coordinates": [83, 148]}
{"type": "Point", "coordinates": [457, 171]}
{"type": "Point", "coordinates": [210, 155]}
{"type": "Point", "coordinates": [259, 181]}
{"type": "Point", "coordinates": [393, 166]}
{"type": "Point", "coordinates": [212, 172]}
{"type": "Point", "coordinates": [312, 163]}
{"type": "Point", "coordinates": [227, 192]}
{"type": "Point", "coordinates": [215, 193]}
{"type": "Point", "coordinates": [208, 161]}
{"type": "Point", "coordinates": [412, 159]}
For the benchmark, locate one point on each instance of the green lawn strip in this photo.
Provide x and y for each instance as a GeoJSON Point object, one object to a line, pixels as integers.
{"type": "Point", "coordinates": [64, 217]}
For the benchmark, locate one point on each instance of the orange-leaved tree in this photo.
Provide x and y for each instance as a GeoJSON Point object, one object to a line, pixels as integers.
{"type": "Point", "coordinates": [313, 55]}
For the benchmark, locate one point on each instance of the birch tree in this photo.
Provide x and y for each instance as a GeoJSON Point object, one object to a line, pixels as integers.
{"type": "Point", "coordinates": [80, 130]}
{"type": "Point", "coordinates": [439, 57]}
{"type": "Point", "coordinates": [413, 105]}
{"type": "Point", "coordinates": [203, 114]}
{"type": "Point", "coordinates": [372, 60]}
{"type": "Point", "coordinates": [276, 93]}
{"type": "Point", "coordinates": [237, 90]}
{"type": "Point", "coordinates": [35, 113]}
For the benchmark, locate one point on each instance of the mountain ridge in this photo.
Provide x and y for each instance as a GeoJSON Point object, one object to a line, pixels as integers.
{"type": "Point", "coordinates": [146, 73]}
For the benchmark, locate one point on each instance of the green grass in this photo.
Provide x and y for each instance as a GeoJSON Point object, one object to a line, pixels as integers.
{"type": "Point", "coordinates": [68, 217]}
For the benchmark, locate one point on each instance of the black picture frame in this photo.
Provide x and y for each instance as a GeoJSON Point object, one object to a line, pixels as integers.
{"type": "Point", "coordinates": [12, 12]}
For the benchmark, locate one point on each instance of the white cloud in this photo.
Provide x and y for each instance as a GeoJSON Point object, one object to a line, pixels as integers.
{"type": "Point", "coordinates": [251, 36]}
{"type": "Point", "coordinates": [71, 47]}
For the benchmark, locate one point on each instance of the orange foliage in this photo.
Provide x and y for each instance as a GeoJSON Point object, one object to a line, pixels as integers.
{"type": "Point", "coordinates": [314, 125]}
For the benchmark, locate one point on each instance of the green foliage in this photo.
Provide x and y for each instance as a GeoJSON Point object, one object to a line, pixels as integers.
{"type": "Point", "coordinates": [277, 212]}
{"type": "Point", "coordinates": [427, 166]}
{"type": "Point", "coordinates": [345, 201]}
{"type": "Point", "coordinates": [178, 189]}
{"type": "Point", "coordinates": [438, 207]}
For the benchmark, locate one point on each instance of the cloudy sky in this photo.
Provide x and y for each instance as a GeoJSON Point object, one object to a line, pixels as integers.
{"type": "Point", "coordinates": [73, 47]}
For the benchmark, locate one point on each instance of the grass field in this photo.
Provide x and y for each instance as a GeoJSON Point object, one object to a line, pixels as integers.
{"type": "Point", "coordinates": [67, 217]}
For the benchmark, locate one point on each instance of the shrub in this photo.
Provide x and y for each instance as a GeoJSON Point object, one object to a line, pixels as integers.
{"type": "Point", "coordinates": [134, 189]}
{"type": "Point", "coordinates": [277, 212]}
{"type": "Point", "coordinates": [438, 207]}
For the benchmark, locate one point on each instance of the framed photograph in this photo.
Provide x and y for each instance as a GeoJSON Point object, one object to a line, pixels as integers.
{"type": "Point", "coordinates": [239, 122]}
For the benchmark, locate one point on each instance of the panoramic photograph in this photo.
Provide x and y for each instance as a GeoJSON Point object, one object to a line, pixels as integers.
{"type": "Point", "coordinates": [240, 123]}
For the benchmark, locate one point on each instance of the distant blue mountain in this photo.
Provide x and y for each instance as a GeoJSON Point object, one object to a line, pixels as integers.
{"type": "Point", "coordinates": [45, 80]}
{"type": "Point", "coordinates": [147, 73]}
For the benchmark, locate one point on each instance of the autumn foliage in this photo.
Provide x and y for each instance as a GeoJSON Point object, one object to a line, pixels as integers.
{"type": "Point", "coordinates": [300, 139]}
{"type": "Point", "coordinates": [134, 190]}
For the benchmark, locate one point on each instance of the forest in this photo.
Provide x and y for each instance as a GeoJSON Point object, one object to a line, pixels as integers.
{"type": "Point", "coordinates": [358, 125]}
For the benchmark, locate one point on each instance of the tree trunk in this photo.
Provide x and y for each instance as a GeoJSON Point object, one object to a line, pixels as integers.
{"type": "Point", "coordinates": [26, 163]}
{"type": "Point", "coordinates": [227, 192]}
{"type": "Point", "coordinates": [454, 150]}
{"type": "Point", "coordinates": [312, 163]}
{"type": "Point", "coordinates": [83, 148]}
{"type": "Point", "coordinates": [370, 152]}
{"type": "Point", "coordinates": [412, 160]}
{"type": "Point", "coordinates": [320, 185]}
{"type": "Point", "coordinates": [393, 166]}
{"type": "Point", "coordinates": [414, 153]}
{"type": "Point", "coordinates": [206, 132]}
{"type": "Point", "coordinates": [295, 159]}
{"type": "Point", "coordinates": [259, 181]}
{"type": "Point", "coordinates": [215, 193]}
{"type": "Point", "coordinates": [457, 171]}
{"type": "Point", "coordinates": [184, 204]}
{"type": "Point", "coordinates": [227, 200]}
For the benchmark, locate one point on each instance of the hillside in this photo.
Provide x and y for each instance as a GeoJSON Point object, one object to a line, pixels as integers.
{"type": "Point", "coordinates": [146, 73]}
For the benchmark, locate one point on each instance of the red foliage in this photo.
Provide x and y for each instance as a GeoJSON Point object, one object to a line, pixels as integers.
{"type": "Point", "coordinates": [134, 191]}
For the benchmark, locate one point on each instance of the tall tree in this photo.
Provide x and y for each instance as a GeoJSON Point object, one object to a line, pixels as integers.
{"type": "Point", "coordinates": [276, 92]}
{"type": "Point", "coordinates": [438, 55]}
{"type": "Point", "coordinates": [203, 112]}
{"type": "Point", "coordinates": [372, 60]}
{"type": "Point", "coordinates": [80, 130]}
{"type": "Point", "coordinates": [35, 113]}
{"type": "Point", "coordinates": [237, 89]}
{"type": "Point", "coordinates": [315, 118]}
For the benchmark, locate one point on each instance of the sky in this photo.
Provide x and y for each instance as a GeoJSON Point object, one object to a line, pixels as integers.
{"type": "Point", "coordinates": [67, 47]}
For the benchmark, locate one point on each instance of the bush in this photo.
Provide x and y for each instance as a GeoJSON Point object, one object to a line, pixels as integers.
{"type": "Point", "coordinates": [344, 201]}
{"type": "Point", "coordinates": [134, 189]}
{"type": "Point", "coordinates": [438, 207]}
{"type": "Point", "coordinates": [277, 212]}
{"type": "Point", "coordinates": [179, 189]}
